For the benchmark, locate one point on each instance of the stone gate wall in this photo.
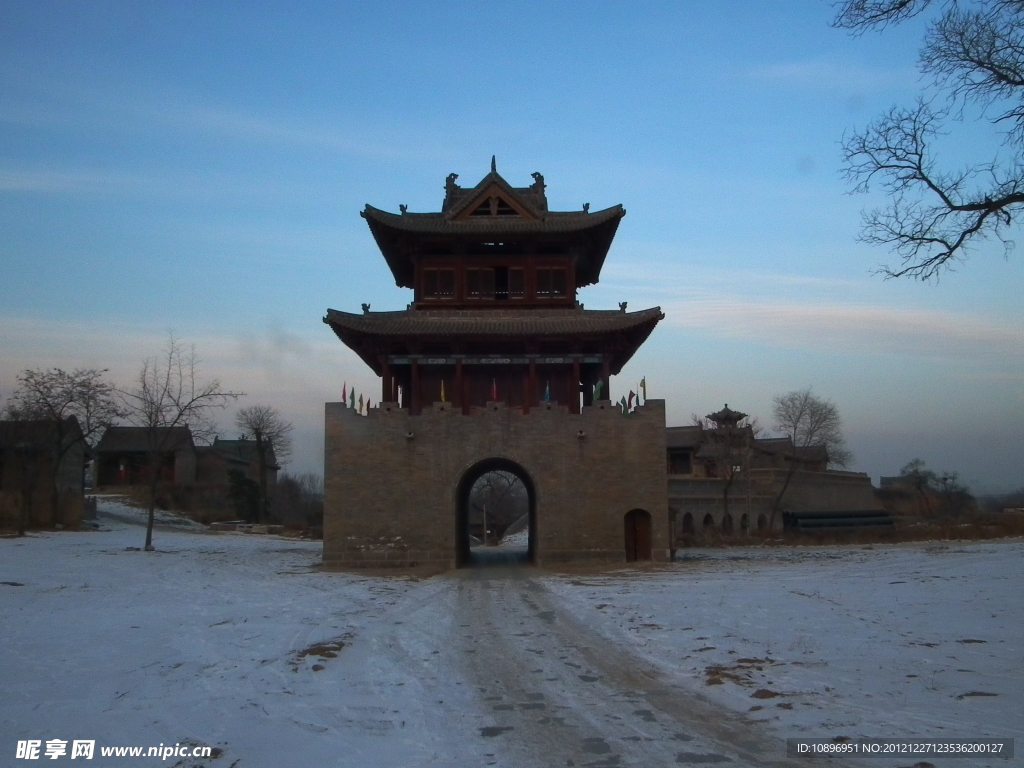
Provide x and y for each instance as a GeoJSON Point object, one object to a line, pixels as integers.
{"type": "Point", "coordinates": [391, 479]}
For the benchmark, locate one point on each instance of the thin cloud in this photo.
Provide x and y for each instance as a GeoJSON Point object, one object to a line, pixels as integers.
{"type": "Point", "coordinates": [851, 327]}
{"type": "Point", "coordinates": [79, 181]}
{"type": "Point", "coordinates": [827, 74]}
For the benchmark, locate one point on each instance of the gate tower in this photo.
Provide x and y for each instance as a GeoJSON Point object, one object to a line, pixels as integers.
{"type": "Point", "coordinates": [494, 359]}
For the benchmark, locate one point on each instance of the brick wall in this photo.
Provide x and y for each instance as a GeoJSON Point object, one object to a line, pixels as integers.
{"type": "Point", "coordinates": [391, 480]}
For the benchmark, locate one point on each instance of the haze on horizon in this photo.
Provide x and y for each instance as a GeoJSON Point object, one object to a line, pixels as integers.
{"type": "Point", "coordinates": [201, 167]}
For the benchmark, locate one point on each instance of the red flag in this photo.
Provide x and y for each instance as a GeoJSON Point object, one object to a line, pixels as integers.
{"type": "Point", "coordinates": [494, 390]}
{"type": "Point", "coordinates": [629, 403]}
{"type": "Point", "coordinates": [344, 392]}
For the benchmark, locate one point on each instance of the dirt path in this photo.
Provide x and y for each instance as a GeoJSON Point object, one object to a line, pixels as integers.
{"type": "Point", "coordinates": [519, 682]}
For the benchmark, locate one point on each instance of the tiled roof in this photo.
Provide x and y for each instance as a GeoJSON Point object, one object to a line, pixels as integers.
{"type": "Point", "coordinates": [492, 322]}
{"type": "Point", "coordinates": [135, 439]}
{"type": "Point", "coordinates": [396, 234]}
{"type": "Point", "coordinates": [242, 451]}
{"type": "Point", "coordinates": [551, 222]}
{"type": "Point", "coordinates": [457, 198]}
{"type": "Point", "coordinates": [784, 445]}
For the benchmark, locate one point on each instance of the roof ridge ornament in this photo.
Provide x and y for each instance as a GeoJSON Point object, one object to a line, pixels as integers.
{"type": "Point", "coordinates": [494, 164]}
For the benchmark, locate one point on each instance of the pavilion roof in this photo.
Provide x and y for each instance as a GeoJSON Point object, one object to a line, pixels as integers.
{"type": "Point", "coordinates": [527, 215]}
{"type": "Point", "coordinates": [480, 324]}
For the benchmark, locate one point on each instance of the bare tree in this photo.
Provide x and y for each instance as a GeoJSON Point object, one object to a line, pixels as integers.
{"type": "Point", "coordinates": [974, 54]}
{"type": "Point", "coordinates": [56, 396]}
{"type": "Point", "coordinates": [170, 392]}
{"type": "Point", "coordinates": [807, 420]}
{"type": "Point", "coordinates": [496, 501]}
{"type": "Point", "coordinates": [272, 434]}
{"type": "Point", "coordinates": [921, 479]}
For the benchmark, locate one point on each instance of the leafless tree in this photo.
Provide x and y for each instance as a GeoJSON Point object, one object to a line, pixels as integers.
{"type": "Point", "coordinates": [807, 420]}
{"type": "Point", "coordinates": [56, 396]}
{"type": "Point", "coordinates": [921, 479]}
{"type": "Point", "coordinates": [496, 501]}
{"type": "Point", "coordinates": [272, 434]}
{"type": "Point", "coordinates": [299, 499]}
{"type": "Point", "coordinates": [170, 392]}
{"type": "Point", "coordinates": [974, 54]}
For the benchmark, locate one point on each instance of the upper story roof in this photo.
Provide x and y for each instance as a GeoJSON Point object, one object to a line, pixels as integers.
{"type": "Point", "coordinates": [494, 211]}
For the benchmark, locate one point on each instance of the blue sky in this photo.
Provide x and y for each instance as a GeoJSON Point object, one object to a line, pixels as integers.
{"type": "Point", "coordinates": [200, 167]}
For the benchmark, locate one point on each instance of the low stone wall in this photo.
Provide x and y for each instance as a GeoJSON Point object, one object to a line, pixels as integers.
{"type": "Point", "coordinates": [247, 528]}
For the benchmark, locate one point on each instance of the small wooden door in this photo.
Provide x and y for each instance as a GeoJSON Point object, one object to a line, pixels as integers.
{"type": "Point", "coordinates": [638, 535]}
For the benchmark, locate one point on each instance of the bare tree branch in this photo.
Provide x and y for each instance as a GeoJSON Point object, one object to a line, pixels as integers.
{"type": "Point", "coordinates": [264, 425]}
{"type": "Point", "coordinates": [933, 216]}
{"type": "Point", "coordinates": [170, 392]}
{"type": "Point", "coordinates": [58, 396]}
{"type": "Point", "coordinates": [861, 15]}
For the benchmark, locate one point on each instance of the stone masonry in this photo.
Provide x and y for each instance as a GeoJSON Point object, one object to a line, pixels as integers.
{"type": "Point", "coordinates": [394, 482]}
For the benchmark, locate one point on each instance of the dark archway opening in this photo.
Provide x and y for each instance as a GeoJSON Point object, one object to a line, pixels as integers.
{"type": "Point", "coordinates": [496, 515]}
{"type": "Point", "coordinates": [637, 523]}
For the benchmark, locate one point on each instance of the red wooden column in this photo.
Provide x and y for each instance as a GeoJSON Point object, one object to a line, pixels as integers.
{"type": "Point", "coordinates": [414, 385]}
{"type": "Point", "coordinates": [574, 390]}
{"type": "Point", "coordinates": [387, 382]}
{"type": "Point", "coordinates": [606, 377]}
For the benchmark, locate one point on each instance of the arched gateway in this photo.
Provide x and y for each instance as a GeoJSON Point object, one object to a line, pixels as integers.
{"type": "Point", "coordinates": [463, 506]}
{"type": "Point", "coordinates": [495, 357]}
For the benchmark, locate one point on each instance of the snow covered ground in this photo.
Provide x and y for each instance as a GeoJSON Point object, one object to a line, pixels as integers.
{"type": "Point", "coordinates": [239, 642]}
{"type": "Point", "coordinates": [898, 641]}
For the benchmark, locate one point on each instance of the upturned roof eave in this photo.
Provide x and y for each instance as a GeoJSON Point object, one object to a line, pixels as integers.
{"type": "Point", "coordinates": [353, 331]}
{"type": "Point", "coordinates": [390, 229]}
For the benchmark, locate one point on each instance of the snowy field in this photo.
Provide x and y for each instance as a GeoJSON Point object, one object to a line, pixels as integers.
{"type": "Point", "coordinates": [895, 641]}
{"type": "Point", "coordinates": [238, 642]}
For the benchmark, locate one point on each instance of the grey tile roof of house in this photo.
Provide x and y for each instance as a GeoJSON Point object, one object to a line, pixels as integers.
{"type": "Point", "coordinates": [137, 439]}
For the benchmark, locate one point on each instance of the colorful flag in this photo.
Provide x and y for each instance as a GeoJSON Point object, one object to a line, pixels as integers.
{"type": "Point", "coordinates": [344, 392]}
{"type": "Point", "coordinates": [442, 392]}
{"type": "Point", "coordinates": [360, 404]}
{"type": "Point", "coordinates": [352, 398]}
{"type": "Point", "coordinates": [598, 389]}
{"type": "Point", "coordinates": [629, 403]}
{"type": "Point", "coordinates": [367, 406]}
{"type": "Point", "coordinates": [643, 387]}
{"type": "Point", "coordinates": [494, 390]}
{"type": "Point", "coordinates": [622, 404]}
{"type": "Point", "coordinates": [547, 392]}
